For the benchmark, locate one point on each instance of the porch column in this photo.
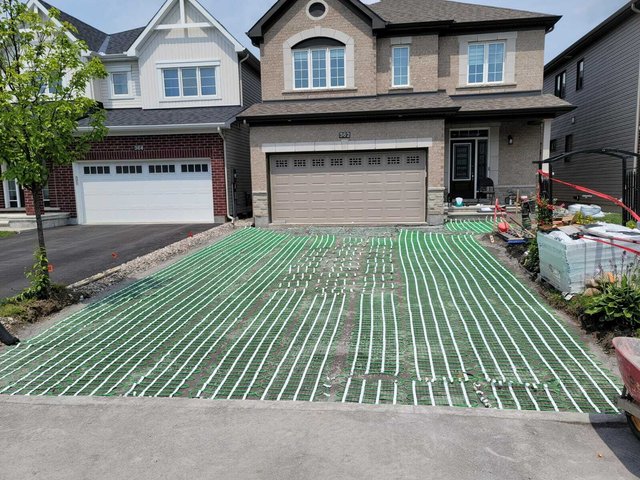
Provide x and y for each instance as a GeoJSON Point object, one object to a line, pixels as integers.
{"type": "Point", "coordinates": [546, 143]}
{"type": "Point", "coordinates": [30, 205]}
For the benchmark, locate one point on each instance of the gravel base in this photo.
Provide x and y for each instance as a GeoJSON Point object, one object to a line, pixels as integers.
{"type": "Point", "coordinates": [97, 284]}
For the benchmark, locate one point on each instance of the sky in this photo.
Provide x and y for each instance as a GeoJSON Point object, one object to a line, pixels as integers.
{"type": "Point", "coordinates": [579, 16]}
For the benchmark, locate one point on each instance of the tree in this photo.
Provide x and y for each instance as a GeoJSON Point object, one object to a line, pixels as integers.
{"type": "Point", "coordinates": [44, 79]}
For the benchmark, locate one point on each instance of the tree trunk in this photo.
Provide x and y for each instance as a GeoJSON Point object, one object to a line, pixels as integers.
{"type": "Point", "coordinates": [42, 247]}
{"type": "Point", "coordinates": [6, 337]}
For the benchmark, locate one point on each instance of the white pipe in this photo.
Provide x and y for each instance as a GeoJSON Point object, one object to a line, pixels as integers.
{"type": "Point", "coordinates": [634, 7]}
{"type": "Point", "coordinates": [241, 84]}
{"type": "Point", "coordinates": [226, 174]}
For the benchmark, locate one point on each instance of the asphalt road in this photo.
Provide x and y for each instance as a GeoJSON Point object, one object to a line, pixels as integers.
{"type": "Point", "coordinates": [78, 252]}
{"type": "Point", "coordinates": [78, 438]}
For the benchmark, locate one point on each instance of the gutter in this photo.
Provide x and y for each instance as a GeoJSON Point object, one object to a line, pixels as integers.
{"type": "Point", "coordinates": [226, 173]}
{"type": "Point", "coordinates": [158, 129]}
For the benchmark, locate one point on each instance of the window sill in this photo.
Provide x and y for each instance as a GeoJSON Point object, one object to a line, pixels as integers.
{"type": "Point", "coordinates": [189, 99]}
{"type": "Point", "coordinates": [124, 97]}
{"type": "Point", "coordinates": [319, 90]}
{"type": "Point", "coordinates": [486, 86]}
{"type": "Point", "coordinates": [407, 88]}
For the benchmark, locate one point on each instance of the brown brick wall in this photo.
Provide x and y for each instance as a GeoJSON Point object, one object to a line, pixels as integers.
{"type": "Point", "coordinates": [62, 190]}
{"type": "Point", "coordinates": [2, 205]}
{"type": "Point", "coordinates": [154, 147]}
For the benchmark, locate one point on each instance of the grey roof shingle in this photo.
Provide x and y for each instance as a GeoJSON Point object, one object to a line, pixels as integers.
{"type": "Point", "coordinates": [352, 105]}
{"type": "Point", "coordinates": [91, 35]}
{"type": "Point", "coordinates": [97, 39]}
{"type": "Point", "coordinates": [121, 42]}
{"type": "Point", "coordinates": [508, 102]}
{"type": "Point", "coordinates": [437, 104]}
{"type": "Point", "coordinates": [137, 117]}
{"type": "Point", "coordinates": [419, 11]}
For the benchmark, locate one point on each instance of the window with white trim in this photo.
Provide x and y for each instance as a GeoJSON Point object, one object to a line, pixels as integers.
{"type": "Point", "coordinates": [486, 63]}
{"type": "Point", "coordinates": [400, 66]}
{"type": "Point", "coordinates": [120, 84]}
{"type": "Point", "coordinates": [319, 67]}
{"type": "Point", "coordinates": [190, 82]}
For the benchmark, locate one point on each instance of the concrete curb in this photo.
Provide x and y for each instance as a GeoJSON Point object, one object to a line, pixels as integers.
{"type": "Point", "coordinates": [326, 407]}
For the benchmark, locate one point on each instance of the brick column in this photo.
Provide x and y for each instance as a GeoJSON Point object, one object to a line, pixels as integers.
{"type": "Point", "coordinates": [219, 182]}
{"type": "Point", "coordinates": [2, 205]}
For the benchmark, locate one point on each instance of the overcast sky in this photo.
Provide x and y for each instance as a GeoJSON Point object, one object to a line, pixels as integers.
{"type": "Point", "coordinates": [579, 16]}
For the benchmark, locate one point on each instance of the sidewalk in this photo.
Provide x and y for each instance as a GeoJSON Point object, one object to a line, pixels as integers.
{"type": "Point", "coordinates": [118, 438]}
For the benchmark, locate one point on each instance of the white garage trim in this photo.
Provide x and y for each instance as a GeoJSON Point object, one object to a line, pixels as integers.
{"type": "Point", "coordinates": [347, 146]}
{"type": "Point", "coordinates": [144, 191]}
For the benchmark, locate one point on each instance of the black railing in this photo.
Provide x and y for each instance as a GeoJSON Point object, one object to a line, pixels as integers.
{"type": "Point", "coordinates": [631, 193]}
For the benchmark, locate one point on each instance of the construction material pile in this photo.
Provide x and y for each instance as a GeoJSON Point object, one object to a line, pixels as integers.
{"type": "Point", "coordinates": [572, 256]}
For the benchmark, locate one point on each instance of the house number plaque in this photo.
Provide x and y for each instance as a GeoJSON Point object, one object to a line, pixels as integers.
{"type": "Point", "coordinates": [344, 135]}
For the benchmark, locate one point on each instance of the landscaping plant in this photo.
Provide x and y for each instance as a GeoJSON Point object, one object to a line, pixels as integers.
{"type": "Point", "coordinates": [43, 84]}
{"type": "Point", "coordinates": [617, 306]}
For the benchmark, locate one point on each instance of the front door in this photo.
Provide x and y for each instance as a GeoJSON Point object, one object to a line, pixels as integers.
{"type": "Point", "coordinates": [463, 169]}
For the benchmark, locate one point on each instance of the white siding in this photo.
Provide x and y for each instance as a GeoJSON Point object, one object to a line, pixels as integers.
{"type": "Point", "coordinates": [180, 45]}
{"type": "Point", "coordinates": [103, 88]}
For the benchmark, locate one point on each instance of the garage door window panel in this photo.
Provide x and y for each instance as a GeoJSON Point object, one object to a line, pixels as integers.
{"type": "Point", "coordinates": [158, 169]}
{"type": "Point", "coordinates": [97, 170]}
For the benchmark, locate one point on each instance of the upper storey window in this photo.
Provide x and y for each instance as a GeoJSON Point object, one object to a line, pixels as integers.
{"type": "Point", "coordinates": [486, 63]}
{"type": "Point", "coordinates": [319, 64]}
{"type": "Point", "coordinates": [561, 85]}
{"type": "Point", "coordinates": [400, 64]}
{"type": "Point", "coordinates": [190, 82]}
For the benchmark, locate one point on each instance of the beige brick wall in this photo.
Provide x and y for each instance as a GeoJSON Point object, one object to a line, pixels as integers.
{"type": "Point", "coordinates": [433, 129]}
{"type": "Point", "coordinates": [517, 171]}
{"type": "Point", "coordinates": [296, 20]}
{"type": "Point", "coordinates": [423, 64]}
{"type": "Point", "coordinates": [529, 65]}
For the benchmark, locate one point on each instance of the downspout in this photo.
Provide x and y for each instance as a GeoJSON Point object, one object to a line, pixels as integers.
{"type": "Point", "coordinates": [226, 173]}
{"type": "Point", "coordinates": [241, 78]}
{"type": "Point", "coordinates": [634, 6]}
{"type": "Point", "coordinates": [637, 142]}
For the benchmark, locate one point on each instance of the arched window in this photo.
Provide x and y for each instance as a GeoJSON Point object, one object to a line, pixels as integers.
{"type": "Point", "coordinates": [318, 63]}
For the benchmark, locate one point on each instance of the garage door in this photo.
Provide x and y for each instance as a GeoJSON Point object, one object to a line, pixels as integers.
{"type": "Point", "coordinates": [354, 187]}
{"type": "Point", "coordinates": [145, 192]}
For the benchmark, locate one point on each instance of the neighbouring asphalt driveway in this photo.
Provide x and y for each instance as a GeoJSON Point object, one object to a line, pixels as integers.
{"type": "Point", "coordinates": [78, 252]}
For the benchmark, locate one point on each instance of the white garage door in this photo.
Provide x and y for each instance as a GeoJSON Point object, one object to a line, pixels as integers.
{"type": "Point", "coordinates": [353, 187]}
{"type": "Point", "coordinates": [145, 192]}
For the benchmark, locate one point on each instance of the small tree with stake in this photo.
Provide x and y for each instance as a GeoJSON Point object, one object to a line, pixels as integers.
{"type": "Point", "coordinates": [44, 77]}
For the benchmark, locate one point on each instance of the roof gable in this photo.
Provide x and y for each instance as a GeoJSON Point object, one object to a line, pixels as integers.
{"type": "Point", "coordinates": [257, 32]}
{"type": "Point", "coordinates": [156, 23]}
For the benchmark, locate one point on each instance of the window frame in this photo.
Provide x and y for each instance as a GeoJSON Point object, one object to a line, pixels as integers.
{"type": "Point", "coordinates": [112, 85]}
{"type": "Point", "coordinates": [580, 75]}
{"type": "Point", "coordinates": [327, 67]}
{"type": "Point", "coordinates": [485, 62]}
{"type": "Point", "coordinates": [394, 48]}
{"type": "Point", "coordinates": [560, 91]}
{"type": "Point", "coordinates": [180, 66]}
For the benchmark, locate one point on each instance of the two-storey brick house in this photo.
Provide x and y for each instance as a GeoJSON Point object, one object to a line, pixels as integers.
{"type": "Point", "coordinates": [174, 152]}
{"type": "Point", "coordinates": [380, 113]}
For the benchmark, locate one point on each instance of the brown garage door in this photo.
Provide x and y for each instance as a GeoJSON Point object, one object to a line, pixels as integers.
{"type": "Point", "coordinates": [349, 187]}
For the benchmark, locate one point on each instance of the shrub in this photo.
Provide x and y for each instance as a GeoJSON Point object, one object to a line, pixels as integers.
{"type": "Point", "coordinates": [531, 260]}
{"type": "Point", "coordinates": [618, 306]}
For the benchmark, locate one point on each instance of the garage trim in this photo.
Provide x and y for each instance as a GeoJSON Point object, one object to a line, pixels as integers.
{"type": "Point", "coordinates": [348, 145]}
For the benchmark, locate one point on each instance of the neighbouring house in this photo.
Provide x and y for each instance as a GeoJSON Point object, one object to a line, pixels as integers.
{"type": "Point", "coordinates": [380, 113]}
{"type": "Point", "coordinates": [600, 74]}
{"type": "Point", "coordinates": [175, 152]}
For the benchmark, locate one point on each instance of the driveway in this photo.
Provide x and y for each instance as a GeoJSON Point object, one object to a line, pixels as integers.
{"type": "Point", "coordinates": [78, 252]}
{"type": "Point", "coordinates": [408, 318]}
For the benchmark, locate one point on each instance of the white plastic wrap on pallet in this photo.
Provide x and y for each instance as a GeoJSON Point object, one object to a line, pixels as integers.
{"type": "Point", "coordinates": [567, 264]}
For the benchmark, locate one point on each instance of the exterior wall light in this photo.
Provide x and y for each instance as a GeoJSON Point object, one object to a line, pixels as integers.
{"type": "Point", "coordinates": [510, 140]}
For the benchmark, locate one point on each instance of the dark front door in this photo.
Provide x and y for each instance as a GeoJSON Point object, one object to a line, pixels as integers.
{"type": "Point", "coordinates": [463, 169]}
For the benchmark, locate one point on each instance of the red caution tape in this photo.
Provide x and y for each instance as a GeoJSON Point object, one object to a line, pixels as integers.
{"type": "Point", "coordinates": [190, 235]}
{"type": "Point", "coordinates": [626, 249]}
{"type": "Point", "coordinates": [592, 192]}
{"type": "Point", "coordinates": [114, 255]}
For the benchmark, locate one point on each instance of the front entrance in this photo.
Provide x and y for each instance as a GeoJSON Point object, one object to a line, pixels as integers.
{"type": "Point", "coordinates": [469, 151]}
